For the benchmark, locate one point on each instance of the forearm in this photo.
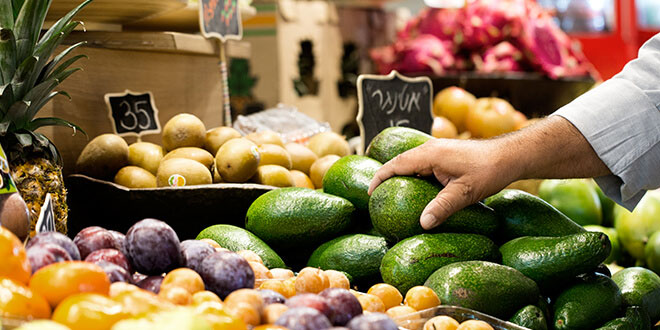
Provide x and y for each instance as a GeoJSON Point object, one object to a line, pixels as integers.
{"type": "Point", "coordinates": [552, 148]}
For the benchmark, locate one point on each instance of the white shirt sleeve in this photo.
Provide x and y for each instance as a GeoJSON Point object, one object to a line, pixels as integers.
{"type": "Point", "coordinates": [621, 120]}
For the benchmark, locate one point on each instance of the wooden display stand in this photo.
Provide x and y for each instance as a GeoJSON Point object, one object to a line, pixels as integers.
{"type": "Point", "coordinates": [180, 70]}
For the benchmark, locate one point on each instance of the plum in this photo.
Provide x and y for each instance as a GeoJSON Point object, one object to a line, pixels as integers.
{"type": "Point", "coordinates": [118, 241]}
{"type": "Point", "coordinates": [44, 254]}
{"type": "Point", "coordinates": [344, 303]}
{"type": "Point", "coordinates": [115, 272]}
{"type": "Point", "coordinates": [151, 283]}
{"type": "Point", "coordinates": [312, 301]}
{"type": "Point", "coordinates": [137, 277]}
{"type": "Point", "coordinates": [372, 321]}
{"type": "Point", "coordinates": [153, 247]}
{"type": "Point", "coordinates": [224, 272]}
{"type": "Point", "coordinates": [272, 297]}
{"type": "Point", "coordinates": [58, 239]}
{"type": "Point", "coordinates": [303, 318]}
{"type": "Point", "coordinates": [194, 252]}
{"type": "Point", "coordinates": [110, 255]}
{"type": "Point", "coordinates": [91, 239]}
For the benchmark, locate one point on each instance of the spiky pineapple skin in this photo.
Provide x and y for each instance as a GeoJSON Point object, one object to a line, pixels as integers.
{"type": "Point", "coordinates": [34, 178]}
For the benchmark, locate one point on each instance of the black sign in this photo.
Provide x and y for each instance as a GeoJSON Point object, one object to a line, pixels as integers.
{"type": "Point", "coordinates": [46, 220]}
{"type": "Point", "coordinates": [132, 113]}
{"type": "Point", "coordinates": [393, 100]}
{"type": "Point", "coordinates": [220, 19]}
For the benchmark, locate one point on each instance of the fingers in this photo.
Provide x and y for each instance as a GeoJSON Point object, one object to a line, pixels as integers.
{"type": "Point", "coordinates": [452, 198]}
{"type": "Point", "coordinates": [411, 162]}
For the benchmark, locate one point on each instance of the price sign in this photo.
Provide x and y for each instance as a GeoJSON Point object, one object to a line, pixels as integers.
{"type": "Point", "coordinates": [46, 220]}
{"type": "Point", "coordinates": [132, 113]}
{"type": "Point", "coordinates": [393, 100]}
{"type": "Point", "coordinates": [220, 19]}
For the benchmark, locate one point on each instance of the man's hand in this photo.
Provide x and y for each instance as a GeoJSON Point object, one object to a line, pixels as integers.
{"type": "Point", "coordinates": [472, 170]}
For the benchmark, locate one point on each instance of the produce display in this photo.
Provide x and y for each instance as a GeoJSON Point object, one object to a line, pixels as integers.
{"type": "Point", "coordinates": [486, 37]}
{"type": "Point", "coordinates": [190, 155]}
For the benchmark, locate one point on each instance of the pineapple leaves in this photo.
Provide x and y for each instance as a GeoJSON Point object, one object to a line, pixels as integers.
{"type": "Point", "coordinates": [6, 99]}
{"type": "Point", "coordinates": [50, 121]}
{"type": "Point", "coordinates": [16, 6]}
{"type": "Point", "coordinates": [62, 23]}
{"type": "Point", "coordinates": [28, 25]}
{"type": "Point", "coordinates": [49, 67]}
{"type": "Point", "coordinates": [65, 65]}
{"type": "Point", "coordinates": [16, 114]}
{"type": "Point", "coordinates": [6, 14]}
{"type": "Point", "coordinates": [22, 72]}
{"type": "Point", "coordinates": [7, 55]}
{"type": "Point", "coordinates": [42, 90]}
{"type": "Point", "coordinates": [44, 52]}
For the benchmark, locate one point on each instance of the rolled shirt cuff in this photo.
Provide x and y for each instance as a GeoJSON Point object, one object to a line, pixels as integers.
{"type": "Point", "coordinates": [622, 125]}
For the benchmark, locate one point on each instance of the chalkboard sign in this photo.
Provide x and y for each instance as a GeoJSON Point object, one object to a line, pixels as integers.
{"type": "Point", "coordinates": [393, 100]}
{"type": "Point", "coordinates": [46, 220]}
{"type": "Point", "coordinates": [132, 113]}
{"type": "Point", "coordinates": [220, 19]}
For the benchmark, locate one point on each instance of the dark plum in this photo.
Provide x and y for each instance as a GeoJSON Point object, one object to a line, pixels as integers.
{"type": "Point", "coordinates": [372, 321]}
{"type": "Point", "coordinates": [224, 272]}
{"type": "Point", "coordinates": [151, 283]}
{"type": "Point", "coordinates": [91, 239]}
{"type": "Point", "coordinates": [303, 318]}
{"type": "Point", "coordinates": [115, 272]}
{"type": "Point", "coordinates": [312, 301]}
{"type": "Point", "coordinates": [272, 297]}
{"type": "Point", "coordinates": [110, 255]}
{"type": "Point", "coordinates": [137, 277]}
{"type": "Point", "coordinates": [344, 303]}
{"type": "Point", "coordinates": [194, 252]}
{"type": "Point", "coordinates": [118, 241]}
{"type": "Point", "coordinates": [57, 239]}
{"type": "Point", "coordinates": [153, 247]}
{"type": "Point", "coordinates": [44, 254]}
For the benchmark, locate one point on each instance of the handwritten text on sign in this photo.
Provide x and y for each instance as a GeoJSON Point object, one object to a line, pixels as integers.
{"type": "Point", "coordinates": [393, 100]}
{"type": "Point", "coordinates": [132, 113]}
{"type": "Point", "coordinates": [220, 19]}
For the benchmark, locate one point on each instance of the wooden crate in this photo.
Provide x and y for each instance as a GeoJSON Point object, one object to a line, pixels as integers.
{"type": "Point", "coordinates": [180, 70]}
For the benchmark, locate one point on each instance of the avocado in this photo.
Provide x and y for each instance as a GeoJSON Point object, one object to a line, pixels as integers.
{"type": "Point", "coordinates": [607, 206]}
{"type": "Point", "coordinates": [393, 141]}
{"type": "Point", "coordinates": [396, 205]}
{"type": "Point", "coordinates": [588, 303]}
{"type": "Point", "coordinates": [294, 217]}
{"type": "Point", "coordinates": [611, 233]}
{"type": "Point", "coordinates": [530, 317]}
{"type": "Point", "coordinates": [553, 260]}
{"type": "Point", "coordinates": [237, 239]}
{"type": "Point", "coordinates": [635, 319]}
{"type": "Point", "coordinates": [576, 198]}
{"type": "Point", "coordinates": [640, 287]}
{"type": "Point", "coordinates": [410, 262]}
{"type": "Point", "coordinates": [349, 177]}
{"type": "Point", "coordinates": [523, 214]}
{"type": "Point", "coordinates": [358, 255]}
{"type": "Point", "coordinates": [484, 286]}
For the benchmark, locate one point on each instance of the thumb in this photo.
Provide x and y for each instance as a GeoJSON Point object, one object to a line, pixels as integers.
{"type": "Point", "coordinates": [452, 198]}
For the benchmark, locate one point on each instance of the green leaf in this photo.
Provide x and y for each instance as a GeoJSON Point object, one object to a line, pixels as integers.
{"type": "Point", "coordinates": [62, 22]}
{"type": "Point", "coordinates": [16, 7]}
{"type": "Point", "coordinates": [24, 139]}
{"type": "Point", "coordinates": [51, 65]}
{"type": "Point", "coordinates": [4, 127]}
{"type": "Point", "coordinates": [22, 72]}
{"type": "Point", "coordinates": [41, 140]}
{"type": "Point", "coordinates": [39, 104]}
{"type": "Point", "coordinates": [65, 65]}
{"type": "Point", "coordinates": [50, 121]}
{"type": "Point", "coordinates": [7, 55]}
{"type": "Point", "coordinates": [28, 25]}
{"type": "Point", "coordinates": [6, 15]}
{"type": "Point", "coordinates": [16, 111]}
{"type": "Point", "coordinates": [43, 89]}
{"type": "Point", "coordinates": [6, 99]}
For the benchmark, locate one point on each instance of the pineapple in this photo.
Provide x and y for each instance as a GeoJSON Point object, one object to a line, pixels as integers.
{"type": "Point", "coordinates": [28, 75]}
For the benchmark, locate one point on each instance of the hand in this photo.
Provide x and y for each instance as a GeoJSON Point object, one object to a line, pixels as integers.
{"type": "Point", "coordinates": [469, 170]}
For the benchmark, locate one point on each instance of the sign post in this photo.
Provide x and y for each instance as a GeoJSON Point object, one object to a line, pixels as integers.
{"type": "Point", "coordinates": [132, 113]}
{"type": "Point", "coordinates": [221, 19]}
{"type": "Point", "coordinates": [393, 100]}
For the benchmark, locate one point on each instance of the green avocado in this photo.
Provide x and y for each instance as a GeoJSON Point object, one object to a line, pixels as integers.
{"type": "Point", "coordinates": [587, 304]}
{"type": "Point", "coordinates": [635, 319]}
{"type": "Point", "coordinates": [553, 260]}
{"type": "Point", "coordinates": [523, 214]}
{"type": "Point", "coordinates": [410, 262]}
{"type": "Point", "coordinates": [576, 198]}
{"type": "Point", "coordinates": [237, 239]}
{"type": "Point", "coordinates": [484, 286]}
{"type": "Point", "coordinates": [396, 205]}
{"type": "Point", "coordinates": [640, 287]}
{"type": "Point", "coordinates": [295, 218]}
{"type": "Point", "coordinates": [530, 317]}
{"type": "Point", "coordinates": [393, 141]}
{"type": "Point", "coordinates": [356, 254]}
{"type": "Point", "coordinates": [349, 177]}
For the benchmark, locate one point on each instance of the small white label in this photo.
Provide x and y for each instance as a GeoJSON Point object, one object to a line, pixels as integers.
{"type": "Point", "coordinates": [176, 180]}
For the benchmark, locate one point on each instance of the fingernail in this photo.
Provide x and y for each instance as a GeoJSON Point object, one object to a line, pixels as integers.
{"type": "Point", "coordinates": [427, 221]}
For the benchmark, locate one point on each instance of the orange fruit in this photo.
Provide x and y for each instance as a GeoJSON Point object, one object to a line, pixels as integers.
{"type": "Point", "coordinates": [18, 301]}
{"type": "Point", "coordinates": [185, 278]}
{"type": "Point", "coordinates": [442, 128]}
{"type": "Point", "coordinates": [141, 302]}
{"type": "Point", "coordinates": [204, 296]}
{"type": "Point", "coordinates": [219, 318]}
{"type": "Point", "coordinates": [421, 298]}
{"type": "Point", "coordinates": [176, 295]}
{"type": "Point", "coordinates": [89, 311]}
{"type": "Point", "coordinates": [57, 281]}
{"type": "Point", "coordinates": [270, 327]}
{"type": "Point", "coordinates": [453, 103]}
{"type": "Point", "coordinates": [15, 264]}
{"type": "Point", "coordinates": [490, 116]}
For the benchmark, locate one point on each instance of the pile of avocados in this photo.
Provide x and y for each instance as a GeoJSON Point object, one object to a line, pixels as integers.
{"type": "Point", "coordinates": [512, 256]}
